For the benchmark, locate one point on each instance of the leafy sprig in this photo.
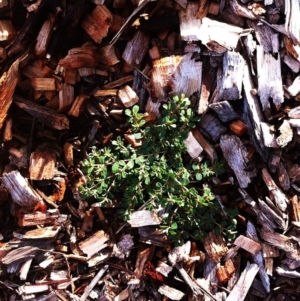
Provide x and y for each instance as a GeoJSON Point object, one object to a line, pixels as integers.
{"type": "Point", "coordinates": [154, 175]}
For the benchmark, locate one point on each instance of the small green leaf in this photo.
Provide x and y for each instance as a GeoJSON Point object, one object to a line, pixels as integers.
{"type": "Point", "coordinates": [198, 176]}
{"type": "Point", "coordinates": [128, 112]}
{"type": "Point", "coordinates": [174, 226]}
{"type": "Point", "coordinates": [130, 164]}
{"type": "Point", "coordinates": [115, 167]}
{"type": "Point", "coordinates": [138, 136]}
{"type": "Point", "coordinates": [135, 109]}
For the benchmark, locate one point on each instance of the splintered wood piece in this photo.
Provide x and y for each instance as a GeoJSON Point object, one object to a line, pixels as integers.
{"type": "Point", "coordinates": [104, 93]}
{"type": "Point", "coordinates": [248, 244]}
{"type": "Point", "coordinates": [7, 132]}
{"type": "Point", "coordinates": [230, 85]}
{"type": "Point", "coordinates": [292, 63]}
{"type": "Point", "coordinates": [286, 134]}
{"type": "Point", "coordinates": [29, 289]}
{"type": "Point", "coordinates": [44, 37]}
{"type": "Point", "coordinates": [136, 49]}
{"type": "Point", "coordinates": [130, 138]}
{"type": "Point", "coordinates": [170, 292]}
{"type": "Point", "coordinates": [279, 197]}
{"type": "Point", "coordinates": [292, 22]}
{"type": "Point", "coordinates": [189, 22]}
{"type": "Point", "coordinates": [283, 177]}
{"type": "Point", "coordinates": [224, 110]}
{"type": "Point", "coordinates": [128, 96]}
{"type": "Point", "coordinates": [258, 257]}
{"type": "Point", "coordinates": [25, 269]}
{"type": "Point", "coordinates": [270, 251]}
{"type": "Point", "coordinates": [82, 57]}
{"type": "Point", "coordinates": [43, 84]}
{"type": "Point", "coordinates": [144, 218]}
{"type": "Point", "coordinates": [178, 74]}
{"type": "Point", "coordinates": [268, 135]}
{"type": "Point", "coordinates": [224, 273]}
{"type": "Point", "coordinates": [244, 283]}
{"type": "Point", "coordinates": [6, 30]}
{"type": "Point", "coordinates": [163, 268]}
{"type": "Point", "coordinates": [285, 243]}
{"type": "Point", "coordinates": [66, 97]}
{"type": "Point", "coordinates": [253, 112]}
{"type": "Point", "coordinates": [94, 243]}
{"type": "Point", "coordinates": [238, 127]}
{"type": "Point", "coordinates": [37, 69]}
{"type": "Point", "coordinates": [236, 156]}
{"type": "Point", "coordinates": [8, 82]}
{"type": "Point", "coordinates": [41, 233]}
{"type": "Point", "coordinates": [272, 214]}
{"type": "Point", "coordinates": [108, 56]}
{"type": "Point", "coordinates": [202, 9]}
{"type": "Point", "coordinates": [205, 145]}
{"type": "Point", "coordinates": [294, 112]}
{"type": "Point", "coordinates": [78, 105]}
{"type": "Point", "coordinates": [71, 76]}
{"type": "Point", "coordinates": [21, 192]}
{"type": "Point", "coordinates": [68, 153]}
{"type": "Point", "coordinates": [20, 255]}
{"type": "Point", "coordinates": [294, 88]}
{"type": "Point", "coordinates": [223, 34]}
{"type": "Point", "coordinates": [119, 82]}
{"type": "Point", "coordinates": [192, 145]}
{"type": "Point", "coordinates": [296, 208]}
{"type": "Point", "coordinates": [215, 246]}
{"type": "Point", "coordinates": [286, 272]}
{"type": "Point", "coordinates": [154, 53]}
{"type": "Point", "coordinates": [270, 80]}
{"type": "Point", "coordinates": [45, 115]}
{"type": "Point", "coordinates": [42, 164]}
{"type": "Point", "coordinates": [51, 217]}
{"type": "Point", "coordinates": [98, 23]}
{"type": "Point", "coordinates": [212, 126]}
{"type": "Point", "coordinates": [86, 72]}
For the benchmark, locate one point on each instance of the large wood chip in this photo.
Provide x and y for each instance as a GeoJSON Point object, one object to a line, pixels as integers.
{"type": "Point", "coordinates": [215, 246]}
{"type": "Point", "coordinates": [248, 244]}
{"type": "Point", "coordinates": [170, 292]}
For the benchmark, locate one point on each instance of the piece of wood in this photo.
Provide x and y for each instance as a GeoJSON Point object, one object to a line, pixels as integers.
{"type": "Point", "coordinates": [41, 233]}
{"type": "Point", "coordinates": [230, 85]}
{"type": "Point", "coordinates": [292, 63]}
{"type": "Point", "coordinates": [21, 254]}
{"type": "Point", "coordinates": [8, 82]}
{"type": "Point", "coordinates": [45, 115]}
{"type": "Point", "coordinates": [238, 127]}
{"type": "Point", "coordinates": [144, 218]}
{"type": "Point", "coordinates": [78, 105]}
{"type": "Point", "coordinates": [94, 243]}
{"type": "Point", "coordinates": [270, 81]}
{"type": "Point", "coordinates": [97, 23]}
{"type": "Point", "coordinates": [42, 164]}
{"type": "Point", "coordinates": [294, 88]}
{"type": "Point", "coordinates": [211, 125]}
{"type": "Point", "coordinates": [119, 82]}
{"type": "Point", "coordinates": [20, 190]}
{"type": "Point", "coordinates": [44, 37]}
{"type": "Point", "coordinates": [270, 251]}
{"type": "Point", "coordinates": [279, 197]}
{"type": "Point", "coordinates": [215, 246]}
{"type": "Point", "coordinates": [66, 98]}
{"type": "Point", "coordinates": [192, 145]}
{"type": "Point", "coordinates": [258, 257]}
{"type": "Point", "coordinates": [51, 217]}
{"type": "Point", "coordinates": [285, 243]}
{"type": "Point", "coordinates": [292, 23]}
{"type": "Point", "coordinates": [37, 69]}
{"type": "Point", "coordinates": [155, 237]}
{"type": "Point", "coordinates": [82, 57]}
{"type": "Point", "coordinates": [170, 292]}
{"type": "Point", "coordinates": [128, 96]}
{"type": "Point", "coordinates": [7, 132]}
{"type": "Point", "coordinates": [25, 269]}
{"type": "Point", "coordinates": [244, 283]}
{"type": "Point", "coordinates": [248, 244]}
{"type": "Point", "coordinates": [190, 22]}
{"type": "Point", "coordinates": [7, 30]}
{"type": "Point", "coordinates": [43, 84]}
{"type": "Point", "coordinates": [223, 34]}
{"type": "Point", "coordinates": [108, 56]}
{"type": "Point", "coordinates": [224, 110]}
{"type": "Point", "coordinates": [236, 156]}
{"type": "Point", "coordinates": [136, 49]}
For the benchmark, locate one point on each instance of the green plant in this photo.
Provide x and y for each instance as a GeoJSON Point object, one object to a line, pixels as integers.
{"type": "Point", "coordinates": [155, 175]}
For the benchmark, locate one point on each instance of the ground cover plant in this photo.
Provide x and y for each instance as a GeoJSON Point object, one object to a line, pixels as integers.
{"type": "Point", "coordinates": [157, 175]}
